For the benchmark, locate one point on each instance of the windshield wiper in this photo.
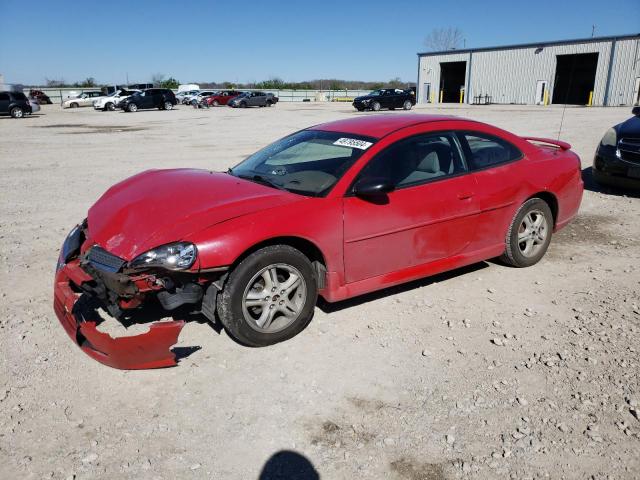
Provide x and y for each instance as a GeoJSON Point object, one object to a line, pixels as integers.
{"type": "Point", "coordinates": [259, 179]}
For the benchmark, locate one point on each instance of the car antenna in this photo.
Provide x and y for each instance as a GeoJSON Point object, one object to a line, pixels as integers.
{"type": "Point", "coordinates": [566, 97]}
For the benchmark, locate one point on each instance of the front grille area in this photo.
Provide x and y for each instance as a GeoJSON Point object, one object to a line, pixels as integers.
{"type": "Point", "coordinates": [630, 149]}
{"type": "Point", "coordinates": [103, 260]}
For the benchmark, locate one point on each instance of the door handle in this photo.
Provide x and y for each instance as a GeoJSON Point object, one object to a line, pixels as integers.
{"type": "Point", "coordinates": [465, 195]}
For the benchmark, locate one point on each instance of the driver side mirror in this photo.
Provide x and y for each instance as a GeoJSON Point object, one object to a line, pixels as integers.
{"type": "Point", "coordinates": [372, 187]}
{"type": "Point", "coordinates": [636, 111]}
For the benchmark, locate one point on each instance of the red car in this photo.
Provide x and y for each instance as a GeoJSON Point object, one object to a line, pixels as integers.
{"type": "Point", "coordinates": [336, 210]}
{"type": "Point", "coordinates": [222, 98]}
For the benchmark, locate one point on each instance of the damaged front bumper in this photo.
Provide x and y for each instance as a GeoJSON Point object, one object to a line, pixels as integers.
{"type": "Point", "coordinates": [80, 320]}
{"type": "Point", "coordinates": [89, 278]}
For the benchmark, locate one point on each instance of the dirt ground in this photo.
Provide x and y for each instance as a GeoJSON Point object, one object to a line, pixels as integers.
{"type": "Point", "coordinates": [484, 372]}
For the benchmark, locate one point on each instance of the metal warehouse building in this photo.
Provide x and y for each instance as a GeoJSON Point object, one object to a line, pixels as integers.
{"type": "Point", "coordinates": [593, 71]}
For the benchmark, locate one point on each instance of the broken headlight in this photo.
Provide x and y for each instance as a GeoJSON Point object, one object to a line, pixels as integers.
{"type": "Point", "coordinates": [173, 256]}
{"type": "Point", "coordinates": [72, 244]}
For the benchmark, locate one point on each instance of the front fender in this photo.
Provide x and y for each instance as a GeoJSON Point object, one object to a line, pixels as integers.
{"type": "Point", "coordinates": [316, 220]}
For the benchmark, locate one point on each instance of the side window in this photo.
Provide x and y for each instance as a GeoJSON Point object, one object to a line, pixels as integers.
{"type": "Point", "coordinates": [483, 151]}
{"type": "Point", "coordinates": [4, 97]}
{"type": "Point", "coordinates": [417, 160]}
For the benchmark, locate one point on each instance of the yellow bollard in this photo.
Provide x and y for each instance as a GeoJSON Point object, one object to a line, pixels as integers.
{"type": "Point", "coordinates": [546, 97]}
{"type": "Point", "coordinates": [590, 102]}
{"type": "Point", "coordinates": [441, 95]}
{"type": "Point", "coordinates": [461, 95]}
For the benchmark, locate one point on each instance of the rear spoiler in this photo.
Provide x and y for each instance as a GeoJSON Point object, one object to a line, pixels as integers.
{"type": "Point", "coordinates": [557, 143]}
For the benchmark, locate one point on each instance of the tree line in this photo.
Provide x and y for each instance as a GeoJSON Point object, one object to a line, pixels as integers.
{"type": "Point", "coordinates": [274, 83]}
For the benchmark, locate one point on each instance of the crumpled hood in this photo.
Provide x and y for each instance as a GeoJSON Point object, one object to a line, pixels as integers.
{"type": "Point", "coordinates": [163, 206]}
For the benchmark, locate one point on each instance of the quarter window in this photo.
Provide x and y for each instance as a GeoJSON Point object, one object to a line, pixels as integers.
{"type": "Point", "coordinates": [484, 151]}
{"type": "Point", "coordinates": [417, 160]}
{"type": "Point", "coordinates": [4, 96]}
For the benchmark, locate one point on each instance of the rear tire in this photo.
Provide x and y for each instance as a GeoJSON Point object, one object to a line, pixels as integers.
{"type": "Point", "coordinates": [269, 103]}
{"type": "Point", "coordinates": [243, 105]}
{"type": "Point", "coordinates": [168, 106]}
{"type": "Point", "coordinates": [247, 300]}
{"type": "Point", "coordinates": [17, 112]}
{"type": "Point", "coordinates": [529, 234]}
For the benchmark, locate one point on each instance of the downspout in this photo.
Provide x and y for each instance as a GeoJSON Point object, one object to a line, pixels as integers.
{"type": "Point", "coordinates": [418, 82]}
{"type": "Point", "coordinates": [467, 88]}
{"type": "Point", "coordinates": [610, 69]}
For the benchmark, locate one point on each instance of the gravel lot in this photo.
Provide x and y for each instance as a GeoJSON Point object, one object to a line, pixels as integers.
{"type": "Point", "coordinates": [485, 372]}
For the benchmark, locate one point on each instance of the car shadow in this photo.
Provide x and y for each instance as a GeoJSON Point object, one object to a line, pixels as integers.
{"type": "Point", "coordinates": [288, 465]}
{"type": "Point", "coordinates": [591, 185]}
{"type": "Point", "coordinates": [26, 117]}
{"type": "Point", "coordinates": [329, 308]}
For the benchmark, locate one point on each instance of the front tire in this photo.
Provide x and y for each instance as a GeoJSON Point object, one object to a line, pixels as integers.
{"type": "Point", "coordinates": [216, 103]}
{"type": "Point", "coordinates": [529, 234]}
{"type": "Point", "coordinates": [74, 105]}
{"type": "Point", "coordinates": [110, 106]}
{"type": "Point", "coordinates": [375, 106]}
{"type": "Point", "coordinates": [243, 105]}
{"type": "Point", "coordinates": [132, 107]}
{"type": "Point", "coordinates": [17, 112]}
{"type": "Point", "coordinates": [269, 297]}
{"type": "Point", "coordinates": [407, 105]}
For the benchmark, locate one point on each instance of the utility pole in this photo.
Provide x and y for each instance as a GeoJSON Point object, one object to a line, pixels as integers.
{"type": "Point", "coordinates": [593, 30]}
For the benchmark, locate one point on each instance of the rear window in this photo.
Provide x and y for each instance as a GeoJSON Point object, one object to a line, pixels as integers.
{"type": "Point", "coordinates": [484, 151]}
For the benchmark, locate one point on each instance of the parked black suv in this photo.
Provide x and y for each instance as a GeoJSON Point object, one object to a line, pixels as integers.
{"type": "Point", "coordinates": [161, 98]}
{"type": "Point", "coordinates": [390, 98]}
{"type": "Point", "coordinates": [15, 104]}
{"type": "Point", "coordinates": [617, 159]}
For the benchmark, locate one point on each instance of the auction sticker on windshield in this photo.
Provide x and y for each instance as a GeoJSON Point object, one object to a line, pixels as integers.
{"type": "Point", "coordinates": [353, 143]}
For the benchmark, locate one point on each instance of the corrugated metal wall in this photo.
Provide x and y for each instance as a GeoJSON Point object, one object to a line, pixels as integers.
{"type": "Point", "coordinates": [511, 75]}
{"type": "Point", "coordinates": [624, 72]}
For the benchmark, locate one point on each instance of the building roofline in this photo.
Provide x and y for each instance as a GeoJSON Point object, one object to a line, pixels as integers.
{"type": "Point", "coordinates": [531, 45]}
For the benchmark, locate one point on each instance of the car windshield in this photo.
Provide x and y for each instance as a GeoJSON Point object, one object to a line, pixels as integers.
{"type": "Point", "coordinates": [375, 93]}
{"type": "Point", "coordinates": [309, 162]}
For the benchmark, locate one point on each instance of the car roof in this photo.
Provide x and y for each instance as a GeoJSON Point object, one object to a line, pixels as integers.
{"type": "Point", "coordinates": [377, 126]}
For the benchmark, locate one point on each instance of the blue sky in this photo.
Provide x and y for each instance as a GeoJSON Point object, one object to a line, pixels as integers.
{"type": "Point", "coordinates": [253, 41]}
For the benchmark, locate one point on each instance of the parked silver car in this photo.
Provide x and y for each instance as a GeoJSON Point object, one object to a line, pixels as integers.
{"type": "Point", "coordinates": [253, 99]}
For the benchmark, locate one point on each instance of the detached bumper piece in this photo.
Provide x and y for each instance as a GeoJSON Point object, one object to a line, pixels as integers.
{"type": "Point", "coordinates": [80, 319]}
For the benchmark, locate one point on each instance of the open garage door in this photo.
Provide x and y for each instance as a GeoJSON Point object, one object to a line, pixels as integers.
{"type": "Point", "coordinates": [452, 77]}
{"type": "Point", "coordinates": [575, 78]}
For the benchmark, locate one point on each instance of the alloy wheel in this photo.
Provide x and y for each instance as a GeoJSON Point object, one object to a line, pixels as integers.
{"type": "Point", "coordinates": [532, 233]}
{"type": "Point", "coordinates": [274, 298]}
